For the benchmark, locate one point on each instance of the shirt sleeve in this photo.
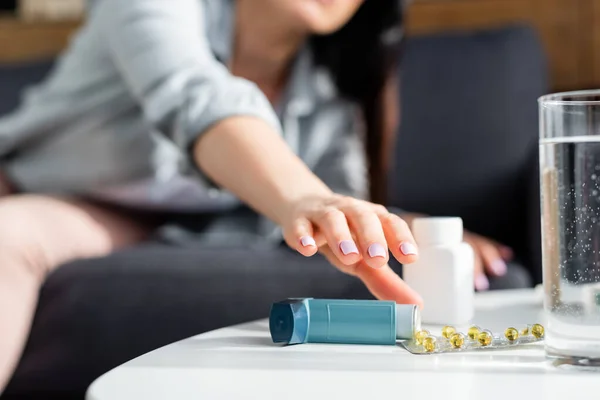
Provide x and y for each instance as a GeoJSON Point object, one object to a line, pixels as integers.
{"type": "Point", "coordinates": [161, 50]}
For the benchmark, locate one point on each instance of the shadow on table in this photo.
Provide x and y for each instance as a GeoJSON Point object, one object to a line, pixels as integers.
{"type": "Point", "coordinates": [233, 343]}
{"type": "Point", "coordinates": [258, 353]}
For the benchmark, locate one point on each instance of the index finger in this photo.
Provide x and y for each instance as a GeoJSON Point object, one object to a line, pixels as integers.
{"type": "Point", "coordinates": [400, 240]}
{"type": "Point", "coordinates": [385, 284]}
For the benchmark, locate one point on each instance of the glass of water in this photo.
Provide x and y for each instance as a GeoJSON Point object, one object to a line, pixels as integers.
{"type": "Point", "coordinates": [570, 191]}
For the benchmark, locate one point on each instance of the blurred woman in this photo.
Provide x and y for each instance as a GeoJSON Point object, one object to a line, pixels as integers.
{"type": "Point", "coordinates": [163, 108]}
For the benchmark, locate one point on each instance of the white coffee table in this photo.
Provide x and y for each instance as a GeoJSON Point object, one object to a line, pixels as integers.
{"type": "Point", "coordinates": [241, 362]}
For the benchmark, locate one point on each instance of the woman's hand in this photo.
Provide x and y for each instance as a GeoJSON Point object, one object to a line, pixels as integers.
{"type": "Point", "coordinates": [490, 258]}
{"type": "Point", "coordinates": [355, 236]}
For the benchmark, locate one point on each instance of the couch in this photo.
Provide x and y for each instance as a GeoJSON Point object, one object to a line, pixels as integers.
{"type": "Point", "coordinates": [467, 147]}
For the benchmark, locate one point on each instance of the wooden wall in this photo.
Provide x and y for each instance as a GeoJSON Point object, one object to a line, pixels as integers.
{"type": "Point", "coordinates": [595, 13]}
{"type": "Point", "coordinates": [22, 41]}
{"type": "Point", "coordinates": [570, 30]}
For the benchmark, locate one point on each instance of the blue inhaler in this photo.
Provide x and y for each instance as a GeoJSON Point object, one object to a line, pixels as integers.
{"type": "Point", "coordinates": [295, 321]}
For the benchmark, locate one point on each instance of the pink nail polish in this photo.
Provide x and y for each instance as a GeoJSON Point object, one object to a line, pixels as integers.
{"type": "Point", "coordinates": [377, 250]}
{"type": "Point", "coordinates": [408, 249]}
{"type": "Point", "coordinates": [482, 283]}
{"type": "Point", "coordinates": [499, 267]}
{"type": "Point", "coordinates": [307, 241]}
{"type": "Point", "coordinates": [348, 247]}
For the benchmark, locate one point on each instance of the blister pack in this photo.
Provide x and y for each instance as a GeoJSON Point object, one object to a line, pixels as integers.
{"type": "Point", "coordinates": [474, 339]}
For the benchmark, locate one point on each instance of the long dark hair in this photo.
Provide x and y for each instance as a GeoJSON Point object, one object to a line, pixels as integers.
{"type": "Point", "coordinates": [361, 56]}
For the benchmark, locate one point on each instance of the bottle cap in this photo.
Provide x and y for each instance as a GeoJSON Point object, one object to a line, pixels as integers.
{"type": "Point", "coordinates": [438, 230]}
{"type": "Point", "coordinates": [288, 321]}
{"type": "Point", "coordinates": [408, 321]}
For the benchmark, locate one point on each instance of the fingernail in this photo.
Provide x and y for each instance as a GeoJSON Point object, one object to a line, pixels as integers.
{"type": "Point", "coordinates": [499, 267]}
{"type": "Point", "coordinates": [307, 241]}
{"type": "Point", "coordinates": [348, 247]}
{"type": "Point", "coordinates": [376, 250]}
{"type": "Point", "coordinates": [408, 249]}
{"type": "Point", "coordinates": [481, 282]}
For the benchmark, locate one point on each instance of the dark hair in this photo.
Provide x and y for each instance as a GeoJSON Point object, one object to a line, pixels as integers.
{"type": "Point", "coordinates": [361, 56]}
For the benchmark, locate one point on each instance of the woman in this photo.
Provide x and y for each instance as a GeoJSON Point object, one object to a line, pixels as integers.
{"type": "Point", "coordinates": [198, 105]}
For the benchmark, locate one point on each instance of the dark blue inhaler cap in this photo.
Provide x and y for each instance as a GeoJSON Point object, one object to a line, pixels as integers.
{"type": "Point", "coordinates": [289, 320]}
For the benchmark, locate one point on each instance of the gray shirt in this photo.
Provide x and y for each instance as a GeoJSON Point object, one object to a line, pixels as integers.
{"type": "Point", "coordinates": [139, 83]}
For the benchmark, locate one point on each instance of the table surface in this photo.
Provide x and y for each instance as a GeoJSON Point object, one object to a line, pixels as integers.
{"type": "Point", "coordinates": [241, 362]}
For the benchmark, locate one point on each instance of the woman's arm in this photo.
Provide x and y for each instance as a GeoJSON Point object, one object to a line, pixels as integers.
{"type": "Point", "coordinates": [354, 235]}
{"type": "Point", "coordinates": [248, 157]}
{"type": "Point", "coordinates": [233, 135]}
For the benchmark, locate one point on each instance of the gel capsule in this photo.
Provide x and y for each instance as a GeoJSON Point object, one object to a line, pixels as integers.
{"type": "Point", "coordinates": [525, 331]}
{"type": "Point", "coordinates": [473, 332]}
{"type": "Point", "coordinates": [420, 336]}
{"type": "Point", "coordinates": [537, 331]}
{"type": "Point", "coordinates": [448, 331]}
{"type": "Point", "coordinates": [429, 343]}
{"type": "Point", "coordinates": [511, 334]}
{"type": "Point", "coordinates": [457, 340]}
{"type": "Point", "coordinates": [485, 338]}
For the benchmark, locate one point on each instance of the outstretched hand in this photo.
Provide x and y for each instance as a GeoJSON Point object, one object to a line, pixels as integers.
{"type": "Point", "coordinates": [356, 236]}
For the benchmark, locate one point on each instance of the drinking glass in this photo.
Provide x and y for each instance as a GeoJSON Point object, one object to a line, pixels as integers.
{"type": "Point", "coordinates": [570, 203]}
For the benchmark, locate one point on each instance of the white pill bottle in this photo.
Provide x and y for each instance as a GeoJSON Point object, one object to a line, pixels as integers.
{"type": "Point", "coordinates": [443, 275]}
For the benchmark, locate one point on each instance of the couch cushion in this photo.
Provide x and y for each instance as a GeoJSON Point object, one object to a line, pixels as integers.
{"type": "Point", "coordinates": [469, 130]}
{"type": "Point", "coordinates": [16, 77]}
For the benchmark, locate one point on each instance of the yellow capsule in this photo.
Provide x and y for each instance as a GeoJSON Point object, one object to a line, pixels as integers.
{"type": "Point", "coordinates": [448, 331]}
{"type": "Point", "coordinates": [457, 340]}
{"type": "Point", "coordinates": [420, 336]}
{"type": "Point", "coordinates": [511, 334]}
{"type": "Point", "coordinates": [485, 338]}
{"type": "Point", "coordinates": [537, 331]}
{"type": "Point", "coordinates": [429, 343]}
{"type": "Point", "coordinates": [525, 331]}
{"type": "Point", "coordinates": [473, 332]}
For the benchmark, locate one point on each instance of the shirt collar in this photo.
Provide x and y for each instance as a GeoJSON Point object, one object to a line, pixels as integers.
{"type": "Point", "coordinates": [308, 85]}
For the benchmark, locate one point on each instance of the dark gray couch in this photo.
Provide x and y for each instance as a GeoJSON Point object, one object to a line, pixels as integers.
{"type": "Point", "coordinates": [469, 137]}
{"type": "Point", "coordinates": [467, 147]}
